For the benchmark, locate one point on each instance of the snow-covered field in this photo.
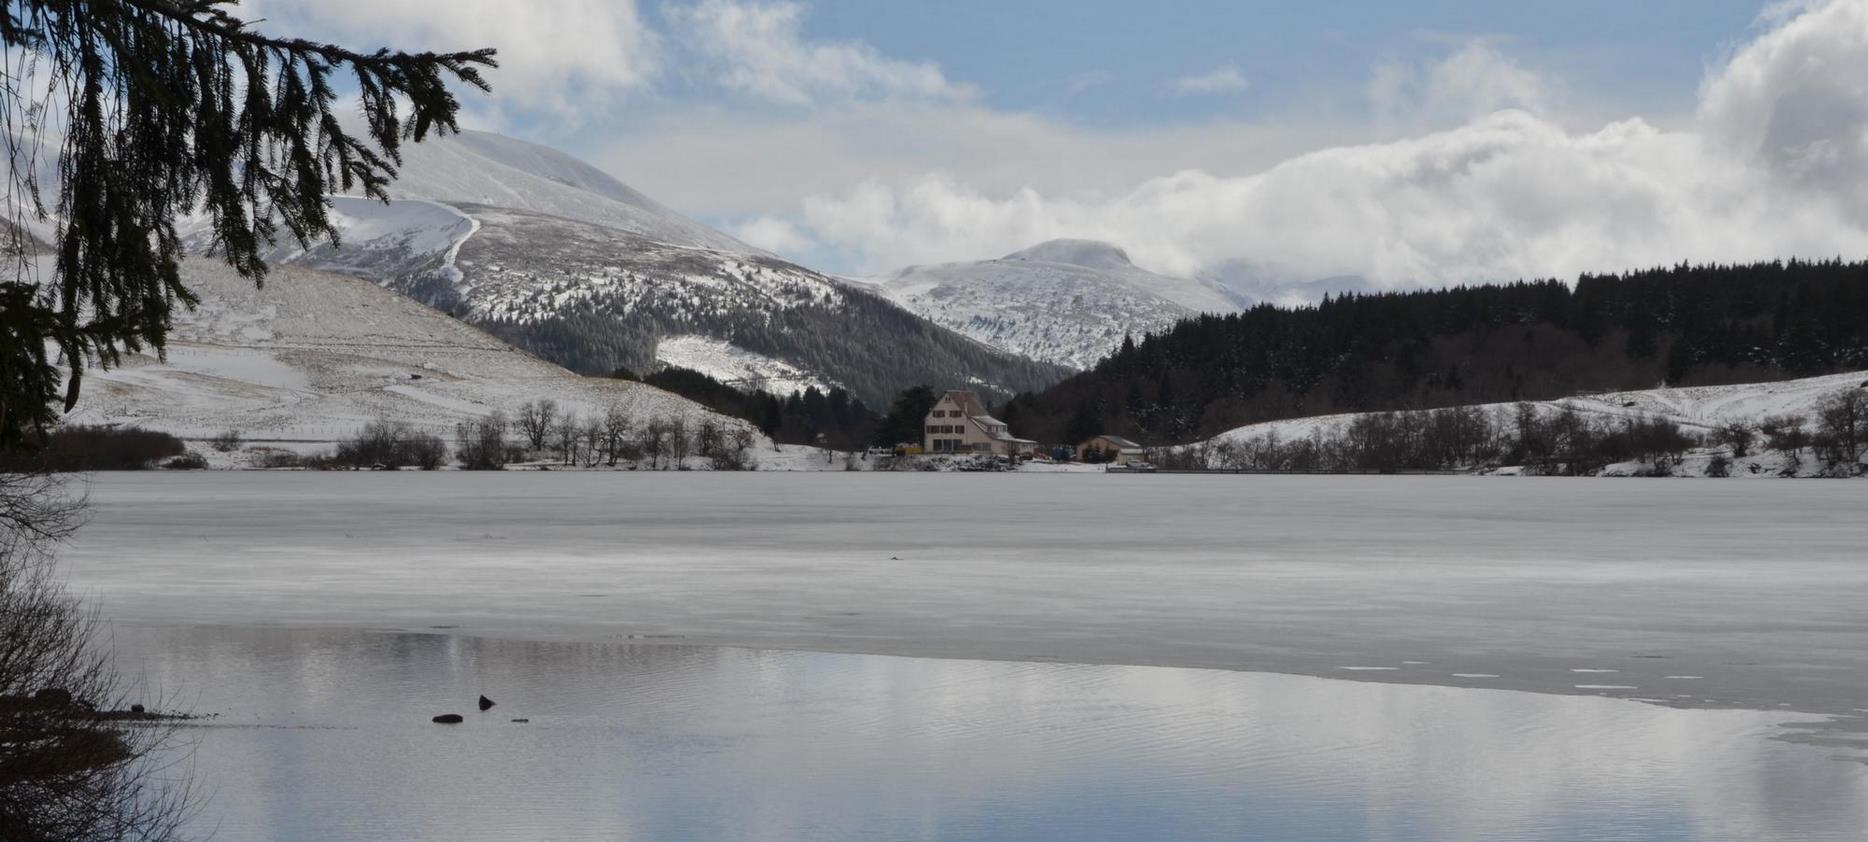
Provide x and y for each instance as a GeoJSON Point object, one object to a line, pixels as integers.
{"type": "Point", "coordinates": [1704, 594]}
{"type": "Point", "coordinates": [312, 357]}
{"type": "Point", "coordinates": [1697, 409]}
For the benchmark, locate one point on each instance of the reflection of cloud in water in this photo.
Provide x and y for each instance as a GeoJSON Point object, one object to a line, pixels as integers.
{"type": "Point", "coordinates": [675, 741]}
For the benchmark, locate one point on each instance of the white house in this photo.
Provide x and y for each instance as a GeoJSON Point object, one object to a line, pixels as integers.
{"type": "Point", "coordinates": [958, 423]}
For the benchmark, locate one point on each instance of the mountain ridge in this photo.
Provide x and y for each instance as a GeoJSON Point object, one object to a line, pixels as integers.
{"type": "Point", "coordinates": [1065, 301]}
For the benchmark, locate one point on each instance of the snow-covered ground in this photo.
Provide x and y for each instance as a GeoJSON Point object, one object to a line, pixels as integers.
{"type": "Point", "coordinates": [1698, 409]}
{"type": "Point", "coordinates": [1698, 594]}
{"type": "Point", "coordinates": [312, 357]}
{"type": "Point", "coordinates": [1068, 302]}
{"type": "Point", "coordinates": [490, 169]}
{"type": "Point", "coordinates": [729, 363]}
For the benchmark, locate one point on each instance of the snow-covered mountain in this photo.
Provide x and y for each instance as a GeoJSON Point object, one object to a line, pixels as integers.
{"type": "Point", "coordinates": [1068, 302]}
{"type": "Point", "coordinates": [558, 258]}
{"type": "Point", "coordinates": [482, 168]}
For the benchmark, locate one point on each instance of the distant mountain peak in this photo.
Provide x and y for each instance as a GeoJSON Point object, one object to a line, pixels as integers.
{"type": "Point", "coordinates": [1091, 254]}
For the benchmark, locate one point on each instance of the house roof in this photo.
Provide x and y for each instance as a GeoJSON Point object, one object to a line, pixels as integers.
{"type": "Point", "coordinates": [1119, 442]}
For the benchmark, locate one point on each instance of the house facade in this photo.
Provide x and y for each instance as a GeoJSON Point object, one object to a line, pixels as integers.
{"type": "Point", "coordinates": [959, 423]}
{"type": "Point", "coordinates": [1114, 449]}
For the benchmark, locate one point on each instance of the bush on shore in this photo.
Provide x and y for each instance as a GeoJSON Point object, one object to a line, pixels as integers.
{"type": "Point", "coordinates": [85, 448]}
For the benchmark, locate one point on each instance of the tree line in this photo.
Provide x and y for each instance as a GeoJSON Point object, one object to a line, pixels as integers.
{"type": "Point", "coordinates": [1493, 343]}
{"type": "Point", "coordinates": [832, 418]}
{"type": "Point", "coordinates": [1542, 439]}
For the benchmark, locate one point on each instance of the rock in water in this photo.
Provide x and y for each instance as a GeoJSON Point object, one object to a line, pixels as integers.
{"type": "Point", "coordinates": [449, 719]}
{"type": "Point", "coordinates": [485, 703]}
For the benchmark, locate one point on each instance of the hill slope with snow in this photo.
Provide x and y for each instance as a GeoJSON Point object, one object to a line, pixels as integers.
{"type": "Point", "coordinates": [1068, 302]}
{"type": "Point", "coordinates": [482, 168]}
{"type": "Point", "coordinates": [312, 357]}
{"type": "Point", "coordinates": [1698, 410]}
{"type": "Point", "coordinates": [557, 257]}
{"type": "Point", "coordinates": [595, 298]}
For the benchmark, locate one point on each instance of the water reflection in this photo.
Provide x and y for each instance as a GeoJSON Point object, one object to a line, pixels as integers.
{"type": "Point", "coordinates": [325, 735]}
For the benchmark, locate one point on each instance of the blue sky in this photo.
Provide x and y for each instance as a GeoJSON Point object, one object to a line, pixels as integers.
{"type": "Point", "coordinates": [1420, 142]}
{"type": "Point", "coordinates": [1111, 62]}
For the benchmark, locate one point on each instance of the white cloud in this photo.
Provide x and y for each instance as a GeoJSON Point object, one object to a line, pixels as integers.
{"type": "Point", "coordinates": [1474, 81]}
{"type": "Point", "coordinates": [558, 56]}
{"type": "Point", "coordinates": [758, 48]}
{"type": "Point", "coordinates": [1220, 80]}
{"type": "Point", "coordinates": [772, 234]}
{"type": "Point", "coordinates": [725, 164]}
{"type": "Point", "coordinates": [1774, 165]}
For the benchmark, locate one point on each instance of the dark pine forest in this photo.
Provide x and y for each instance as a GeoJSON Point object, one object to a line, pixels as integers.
{"type": "Point", "coordinates": [1530, 340]}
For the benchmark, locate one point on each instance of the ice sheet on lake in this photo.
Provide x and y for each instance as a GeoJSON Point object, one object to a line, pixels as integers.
{"type": "Point", "coordinates": [1755, 587]}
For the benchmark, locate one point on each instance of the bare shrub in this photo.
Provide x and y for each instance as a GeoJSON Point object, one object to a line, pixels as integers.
{"type": "Point", "coordinates": [391, 444]}
{"type": "Point", "coordinates": [1842, 427]}
{"type": "Point", "coordinates": [480, 444]}
{"type": "Point", "coordinates": [81, 448]}
{"type": "Point", "coordinates": [1737, 436]}
{"type": "Point", "coordinates": [227, 442]}
{"type": "Point", "coordinates": [69, 766]}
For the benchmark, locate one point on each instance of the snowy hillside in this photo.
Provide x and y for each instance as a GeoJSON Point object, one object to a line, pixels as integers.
{"type": "Point", "coordinates": [1068, 302]}
{"type": "Point", "coordinates": [313, 356]}
{"type": "Point", "coordinates": [558, 258]}
{"type": "Point", "coordinates": [1698, 410]}
{"type": "Point", "coordinates": [489, 169]}
{"type": "Point", "coordinates": [735, 366]}
{"type": "Point", "coordinates": [596, 298]}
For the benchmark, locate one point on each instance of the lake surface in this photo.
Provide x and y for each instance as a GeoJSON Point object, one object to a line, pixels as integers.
{"type": "Point", "coordinates": [324, 735]}
{"type": "Point", "coordinates": [632, 617]}
{"type": "Point", "coordinates": [1754, 589]}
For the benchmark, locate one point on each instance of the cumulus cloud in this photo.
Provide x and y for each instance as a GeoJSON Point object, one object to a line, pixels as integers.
{"type": "Point", "coordinates": [758, 48]}
{"type": "Point", "coordinates": [1772, 166]}
{"type": "Point", "coordinates": [739, 164]}
{"type": "Point", "coordinates": [560, 56]}
{"type": "Point", "coordinates": [1474, 81]}
{"type": "Point", "coordinates": [1220, 80]}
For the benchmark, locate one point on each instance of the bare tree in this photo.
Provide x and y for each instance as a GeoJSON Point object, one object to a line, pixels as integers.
{"type": "Point", "coordinates": [592, 435]}
{"type": "Point", "coordinates": [653, 442]}
{"type": "Point", "coordinates": [680, 441]}
{"type": "Point", "coordinates": [69, 766]}
{"type": "Point", "coordinates": [1737, 435]}
{"type": "Point", "coordinates": [709, 438]}
{"type": "Point", "coordinates": [565, 434]}
{"type": "Point", "coordinates": [536, 420]}
{"type": "Point", "coordinates": [615, 431]}
{"type": "Point", "coordinates": [1842, 426]}
{"type": "Point", "coordinates": [1787, 433]}
{"type": "Point", "coordinates": [480, 443]}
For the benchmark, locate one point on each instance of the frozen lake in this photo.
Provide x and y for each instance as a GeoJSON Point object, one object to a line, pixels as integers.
{"type": "Point", "coordinates": [324, 735]}
{"type": "Point", "coordinates": [326, 617]}
{"type": "Point", "coordinates": [1702, 592]}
